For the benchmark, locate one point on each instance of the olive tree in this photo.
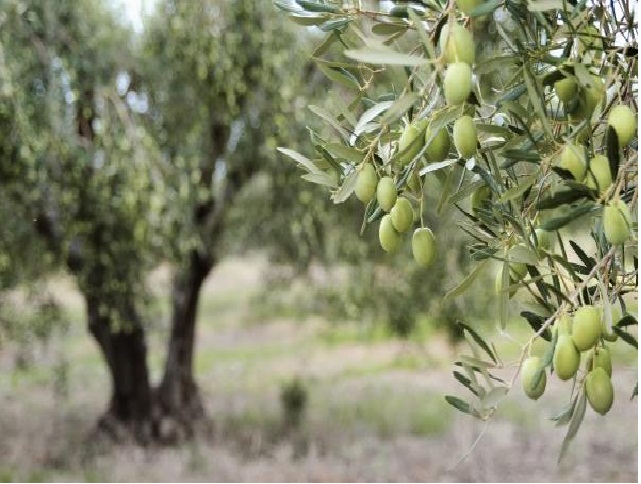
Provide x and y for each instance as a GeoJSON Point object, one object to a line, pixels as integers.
{"type": "Point", "coordinates": [523, 114]}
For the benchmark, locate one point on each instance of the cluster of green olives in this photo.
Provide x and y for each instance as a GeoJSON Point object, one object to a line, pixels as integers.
{"type": "Point", "coordinates": [583, 333]}
{"type": "Point", "coordinates": [596, 173]}
{"type": "Point", "coordinates": [399, 218]}
{"type": "Point", "coordinates": [459, 55]}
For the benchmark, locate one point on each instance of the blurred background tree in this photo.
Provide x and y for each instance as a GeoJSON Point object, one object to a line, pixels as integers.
{"type": "Point", "coordinates": [120, 152]}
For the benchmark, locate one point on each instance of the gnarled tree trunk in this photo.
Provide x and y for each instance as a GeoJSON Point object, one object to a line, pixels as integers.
{"type": "Point", "coordinates": [125, 352]}
{"type": "Point", "coordinates": [178, 397]}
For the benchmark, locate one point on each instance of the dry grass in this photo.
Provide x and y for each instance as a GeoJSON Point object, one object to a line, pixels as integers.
{"type": "Point", "coordinates": [375, 412]}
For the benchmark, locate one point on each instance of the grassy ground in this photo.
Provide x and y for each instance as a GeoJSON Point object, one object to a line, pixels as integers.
{"type": "Point", "coordinates": [375, 406]}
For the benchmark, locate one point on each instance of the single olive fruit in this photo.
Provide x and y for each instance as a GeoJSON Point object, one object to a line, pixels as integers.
{"type": "Point", "coordinates": [617, 222]}
{"type": "Point", "coordinates": [465, 138]}
{"type": "Point", "coordinates": [529, 371]}
{"type": "Point", "coordinates": [566, 89]}
{"type": "Point", "coordinates": [389, 238]}
{"type": "Point", "coordinates": [566, 357]}
{"type": "Point", "coordinates": [423, 246]}
{"type": "Point", "coordinates": [466, 6]}
{"type": "Point", "coordinates": [439, 148]}
{"type": "Point", "coordinates": [589, 98]}
{"type": "Point", "coordinates": [624, 122]}
{"type": "Point", "coordinates": [599, 174]}
{"type": "Point", "coordinates": [599, 390]}
{"type": "Point", "coordinates": [586, 327]}
{"type": "Point", "coordinates": [480, 197]}
{"type": "Point", "coordinates": [407, 141]}
{"type": "Point", "coordinates": [366, 181]}
{"type": "Point", "coordinates": [573, 160]}
{"type": "Point", "coordinates": [386, 193]}
{"type": "Point", "coordinates": [457, 44]}
{"type": "Point", "coordinates": [599, 357]}
{"type": "Point", "coordinates": [457, 83]}
{"type": "Point", "coordinates": [402, 214]}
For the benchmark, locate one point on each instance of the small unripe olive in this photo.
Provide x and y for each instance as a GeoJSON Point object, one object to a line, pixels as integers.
{"type": "Point", "coordinates": [465, 138]}
{"type": "Point", "coordinates": [566, 357]}
{"type": "Point", "coordinates": [389, 238]}
{"type": "Point", "coordinates": [599, 174]}
{"type": "Point", "coordinates": [466, 6]}
{"type": "Point", "coordinates": [588, 100]}
{"type": "Point", "coordinates": [573, 160]}
{"type": "Point", "coordinates": [458, 44]}
{"type": "Point", "coordinates": [566, 89]}
{"type": "Point", "coordinates": [439, 148]}
{"type": "Point", "coordinates": [423, 246]}
{"type": "Point", "coordinates": [402, 214]}
{"type": "Point", "coordinates": [599, 390]}
{"type": "Point", "coordinates": [406, 141]}
{"type": "Point", "coordinates": [386, 193]}
{"type": "Point", "coordinates": [624, 122]}
{"type": "Point", "coordinates": [617, 222]}
{"type": "Point", "coordinates": [479, 197]}
{"type": "Point", "coordinates": [457, 83]}
{"type": "Point", "coordinates": [599, 357]}
{"type": "Point", "coordinates": [586, 327]}
{"type": "Point", "coordinates": [366, 181]}
{"type": "Point", "coordinates": [529, 370]}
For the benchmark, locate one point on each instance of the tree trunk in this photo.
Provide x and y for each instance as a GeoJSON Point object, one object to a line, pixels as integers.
{"type": "Point", "coordinates": [178, 396]}
{"type": "Point", "coordinates": [125, 352]}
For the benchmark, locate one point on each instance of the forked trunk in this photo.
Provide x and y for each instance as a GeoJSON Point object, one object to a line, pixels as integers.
{"type": "Point", "coordinates": [178, 397]}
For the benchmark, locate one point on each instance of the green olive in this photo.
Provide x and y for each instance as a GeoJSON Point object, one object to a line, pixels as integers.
{"type": "Point", "coordinates": [402, 214]}
{"type": "Point", "coordinates": [624, 122]}
{"type": "Point", "coordinates": [423, 246]}
{"type": "Point", "coordinates": [599, 174]}
{"type": "Point", "coordinates": [599, 390]}
{"type": "Point", "coordinates": [386, 193]}
{"type": "Point", "coordinates": [566, 89]}
{"type": "Point", "coordinates": [389, 238]}
{"type": "Point", "coordinates": [617, 222]}
{"type": "Point", "coordinates": [529, 371]}
{"type": "Point", "coordinates": [457, 83]}
{"type": "Point", "coordinates": [407, 141]}
{"type": "Point", "coordinates": [366, 181]}
{"type": "Point", "coordinates": [459, 44]}
{"type": "Point", "coordinates": [465, 138]}
{"type": "Point", "coordinates": [439, 148]}
{"type": "Point", "coordinates": [573, 160]}
{"type": "Point", "coordinates": [586, 327]}
{"type": "Point", "coordinates": [566, 357]}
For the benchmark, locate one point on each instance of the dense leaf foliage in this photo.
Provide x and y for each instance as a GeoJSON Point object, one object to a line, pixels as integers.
{"type": "Point", "coordinates": [534, 97]}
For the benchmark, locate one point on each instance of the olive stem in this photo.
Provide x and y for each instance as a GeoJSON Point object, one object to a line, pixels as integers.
{"type": "Point", "coordinates": [562, 308]}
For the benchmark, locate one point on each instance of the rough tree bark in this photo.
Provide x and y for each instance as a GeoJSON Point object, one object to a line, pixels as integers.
{"type": "Point", "coordinates": [179, 405]}
{"type": "Point", "coordinates": [125, 353]}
